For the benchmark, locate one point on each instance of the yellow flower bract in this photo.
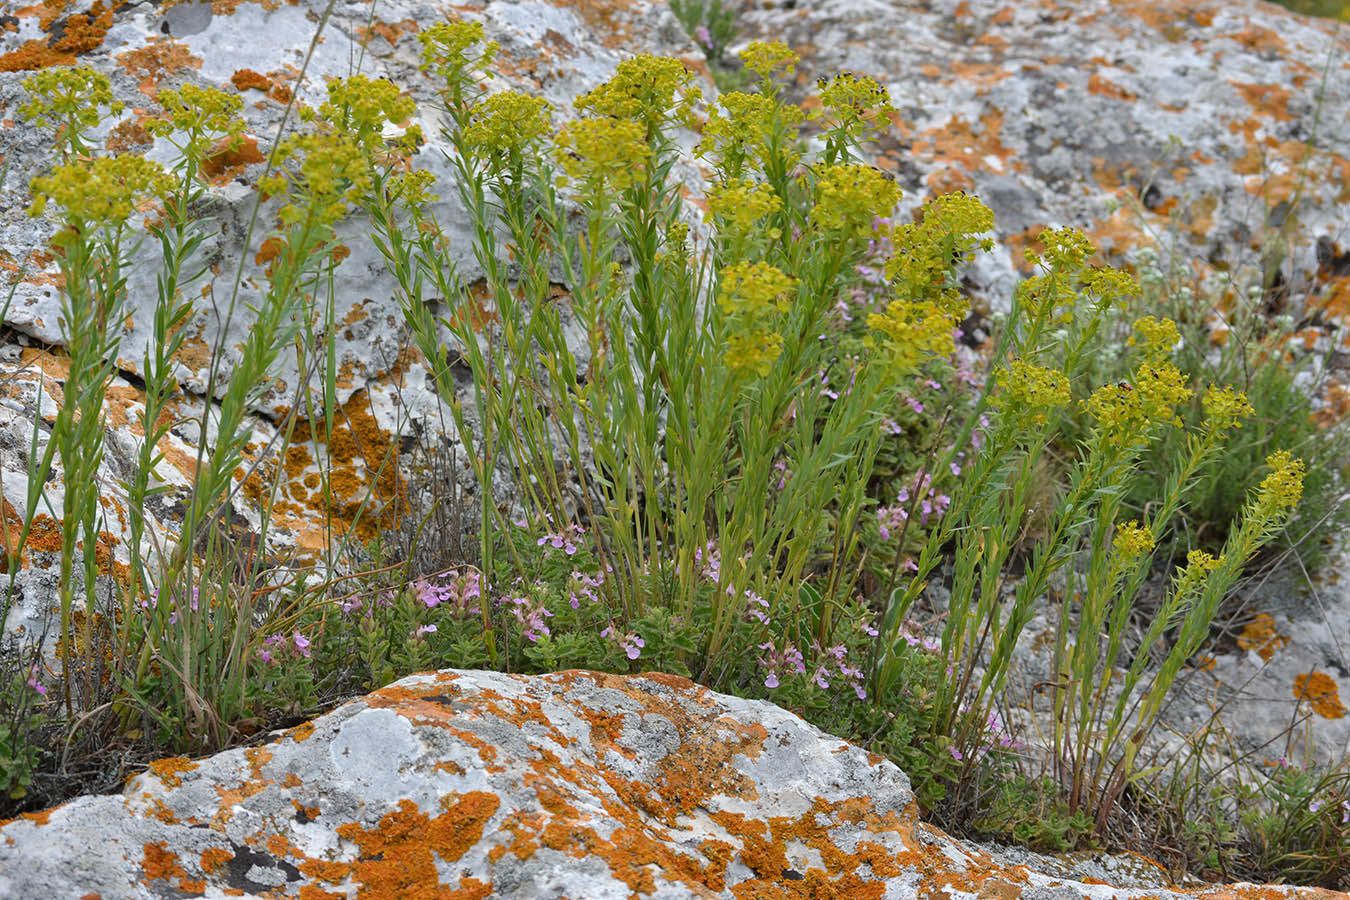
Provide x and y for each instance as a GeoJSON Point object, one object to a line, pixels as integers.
{"type": "Point", "coordinates": [645, 88]}
{"type": "Point", "coordinates": [604, 154]}
{"type": "Point", "coordinates": [850, 198]}
{"type": "Point", "coordinates": [764, 58]}
{"type": "Point", "coordinates": [1283, 487]}
{"type": "Point", "coordinates": [505, 124]}
{"type": "Point", "coordinates": [1027, 386]}
{"type": "Point", "coordinates": [1133, 540]}
{"type": "Point", "coordinates": [740, 203]}
{"type": "Point", "coordinates": [103, 190]}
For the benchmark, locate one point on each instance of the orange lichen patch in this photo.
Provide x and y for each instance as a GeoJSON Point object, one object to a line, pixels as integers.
{"type": "Point", "coordinates": [1255, 37]}
{"type": "Point", "coordinates": [268, 253]}
{"type": "Point", "coordinates": [37, 818]}
{"type": "Point", "coordinates": [1321, 692]}
{"type": "Point", "coordinates": [160, 812]}
{"type": "Point", "coordinates": [1119, 233]}
{"type": "Point", "coordinates": [975, 147]}
{"type": "Point", "coordinates": [45, 535]}
{"type": "Point", "coordinates": [257, 758]}
{"type": "Point", "coordinates": [1101, 87]}
{"type": "Point", "coordinates": [247, 79]}
{"type": "Point", "coordinates": [1266, 100]}
{"type": "Point", "coordinates": [1261, 635]}
{"type": "Point", "coordinates": [764, 847]}
{"type": "Point", "coordinates": [1336, 399]}
{"type": "Point", "coordinates": [81, 33]}
{"type": "Point", "coordinates": [169, 768]}
{"type": "Point", "coordinates": [1334, 299]}
{"type": "Point", "coordinates": [301, 732]}
{"type": "Point", "coordinates": [160, 863]}
{"type": "Point", "coordinates": [310, 892]}
{"type": "Point", "coordinates": [390, 31]}
{"type": "Point", "coordinates": [475, 308]}
{"type": "Point", "coordinates": [13, 530]}
{"type": "Point", "coordinates": [223, 162]}
{"type": "Point", "coordinates": [981, 76]}
{"type": "Point", "coordinates": [278, 845]}
{"type": "Point", "coordinates": [363, 469]}
{"type": "Point", "coordinates": [396, 857]}
{"type": "Point", "coordinates": [214, 858]}
{"type": "Point", "coordinates": [127, 136]}
{"type": "Point", "coordinates": [160, 58]}
{"type": "Point", "coordinates": [946, 181]}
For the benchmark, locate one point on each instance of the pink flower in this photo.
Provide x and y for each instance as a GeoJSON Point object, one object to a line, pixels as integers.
{"type": "Point", "coordinates": [630, 643]}
{"type": "Point", "coordinates": [302, 644]}
{"type": "Point", "coordinates": [956, 754]}
{"type": "Point", "coordinates": [771, 682]}
{"type": "Point", "coordinates": [425, 629]}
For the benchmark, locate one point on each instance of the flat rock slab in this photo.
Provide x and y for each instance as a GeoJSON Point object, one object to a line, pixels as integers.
{"type": "Point", "coordinates": [572, 785]}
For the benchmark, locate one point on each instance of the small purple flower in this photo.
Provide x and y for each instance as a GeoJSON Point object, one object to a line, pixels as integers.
{"type": "Point", "coordinates": [565, 540]}
{"type": "Point", "coordinates": [425, 629]}
{"type": "Point", "coordinates": [264, 655]}
{"type": "Point", "coordinates": [771, 682]}
{"type": "Point", "coordinates": [351, 605]}
{"type": "Point", "coordinates": [956, 754]}
{"type": "Point", "coordinates": [630, 643]}
{"type": "Point", "coordinates": [703, 37]}
{"type": "Point", "coordinates": [751, 600]}
{"type": "Point", "coordinates": [34, 684]}
{"type": "Point", "coordinates": [302, 644]}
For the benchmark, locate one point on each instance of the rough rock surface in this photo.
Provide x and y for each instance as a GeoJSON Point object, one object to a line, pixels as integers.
{"type": "Point", "coordinates": [579, 785]}
{"type": "Point", "coordinates": [1061, 112]}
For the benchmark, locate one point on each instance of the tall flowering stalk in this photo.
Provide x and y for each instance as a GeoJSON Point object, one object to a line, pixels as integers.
{"type": "Point", "coordinates": [97, 198]}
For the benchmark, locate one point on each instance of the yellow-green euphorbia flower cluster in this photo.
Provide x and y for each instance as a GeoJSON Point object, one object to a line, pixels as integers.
{"type": "Point", "coordinates": [767, 59]}
{"type": "Point", "coordinates": [202, 114]}
{"type": "Point", "coordinates": [69, 100]}
{"type": "Point", "coordinates": [101, 191]}
{"type": "Point", "coordinates": [738, 205]}
{"type": "Point", "coordinates": [926, 250]}
{"type": "Point", "coordinates": [447, 50]}
{"type": "Point", "coordinates": [851, 198]}
{"type": "Point", "coordinates": [1133, 540]}
{"type": "Point", "coordinates": [504, 126]}
{"type": "Point", "coordinates": [653, 90]}
{"type": "Point", "coordinates": [856, 106]}
{"type": "Point", "coordinates": [752, 295]}
{"type": "Point", "coordinates": [1026, 387]}
{"type": "Point", "coordinates": [604, 155]}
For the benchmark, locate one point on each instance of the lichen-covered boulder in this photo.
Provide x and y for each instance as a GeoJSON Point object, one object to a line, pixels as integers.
{"type": "Point", "coordinates": [573, 785]}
